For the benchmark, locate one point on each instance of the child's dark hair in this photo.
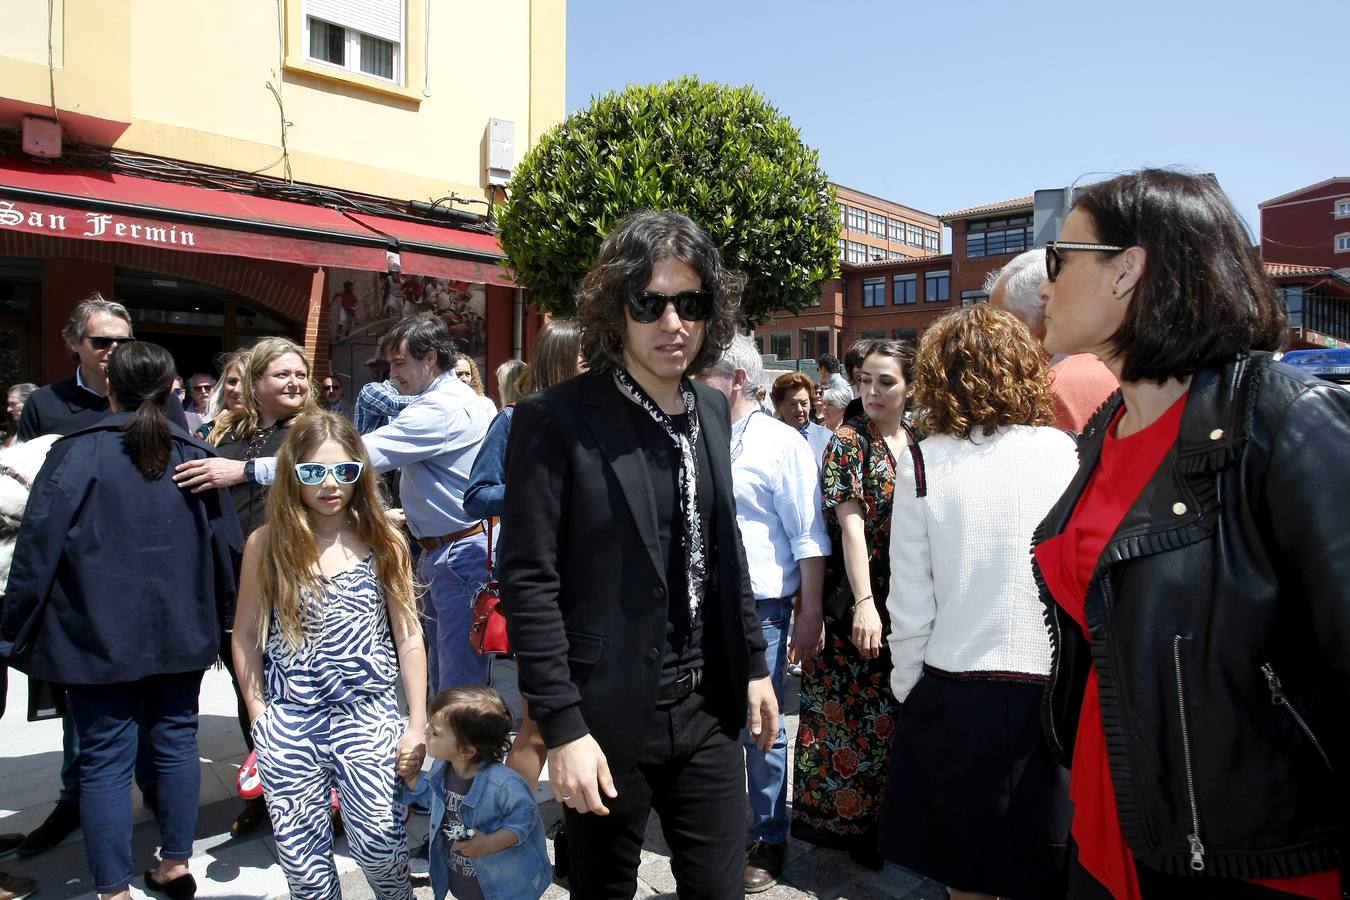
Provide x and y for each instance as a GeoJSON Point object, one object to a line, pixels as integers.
{"type": "Point", "coordinates": [479, 718]}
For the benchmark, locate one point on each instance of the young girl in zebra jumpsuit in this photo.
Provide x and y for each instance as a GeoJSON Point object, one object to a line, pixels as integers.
{"type": "Point", "coordinates": [326, 593]}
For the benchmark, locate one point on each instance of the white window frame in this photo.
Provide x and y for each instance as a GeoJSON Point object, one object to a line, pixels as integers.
{"type": "Point", "coordinates": [1343, 208]}
{"type": "Point", "coordinates": [352, 65]}
{"type": "Point", "coordinates": [1343, 243]}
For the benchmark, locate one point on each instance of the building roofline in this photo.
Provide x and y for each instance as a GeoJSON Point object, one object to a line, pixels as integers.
{"type": "Point", "coordinates": [883, 263]}
{"type": "Point", "coordinates": [1016, 203]}
{"type": "Point", "coordinates": [917, 212]}
{"type": "Point", "coordinates": [1303, 190]}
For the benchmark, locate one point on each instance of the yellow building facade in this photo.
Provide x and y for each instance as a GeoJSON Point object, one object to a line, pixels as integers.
{"type": "Point", "coordinates": [392, 101]}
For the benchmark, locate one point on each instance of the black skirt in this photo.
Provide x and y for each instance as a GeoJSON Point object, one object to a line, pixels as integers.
{"type": "Point", "coordinates": [974, 799]}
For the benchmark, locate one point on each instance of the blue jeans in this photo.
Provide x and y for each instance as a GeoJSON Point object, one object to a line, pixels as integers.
{"type": "Point", "coordinates": [453, 574]}
{"type": "Point", "coordinates": [766, 772]}
{"type": "Point", "coordinates": [70, 763]}
{"type": "Point", "coordinates": [110, 719]}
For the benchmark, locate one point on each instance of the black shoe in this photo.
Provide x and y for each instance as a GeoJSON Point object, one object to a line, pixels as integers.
{"type": "Point", "coordinates": [9, 842]}
{"type": "Point", "coordinates": [867, 856]}
{"type": "Point", "coordinates": [763, 865]}
{"type": "Point", "coordinates": [184, 887]}
{"type": "Point", "coordinates": [16, 887]}
{"type": "Point", "coordinates": [250, 817]}
{"type": "Point", "coordinates": [64, 819]}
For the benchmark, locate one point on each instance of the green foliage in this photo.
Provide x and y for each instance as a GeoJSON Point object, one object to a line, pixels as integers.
{"type": "Point", "coordinates": [721, 155]}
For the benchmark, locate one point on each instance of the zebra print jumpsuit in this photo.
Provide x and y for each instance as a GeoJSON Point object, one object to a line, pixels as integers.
{"type": "Point", "coordinates": [332, 720]}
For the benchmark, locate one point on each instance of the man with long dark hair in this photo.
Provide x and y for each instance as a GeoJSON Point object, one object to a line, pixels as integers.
{"type": "Point", "coordinates": [624, 581]}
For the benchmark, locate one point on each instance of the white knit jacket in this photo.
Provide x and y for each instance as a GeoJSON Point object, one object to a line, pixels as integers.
{"type": "Point", "coordinates": [962, 597]}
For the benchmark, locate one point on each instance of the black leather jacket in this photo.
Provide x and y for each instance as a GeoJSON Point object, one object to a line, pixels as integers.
{"type": "Point", "coordinates": [1220, 622]}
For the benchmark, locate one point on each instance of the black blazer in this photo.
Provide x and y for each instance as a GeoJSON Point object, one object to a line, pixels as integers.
{"type": "Point", "coordinates": [116, 578]}
{"type": "Point", "coordinates": [63, 407]}
{"type": "Point", "coordinates": [582, 580]}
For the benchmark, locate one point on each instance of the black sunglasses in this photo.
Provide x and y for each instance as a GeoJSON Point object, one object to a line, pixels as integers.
{"type": "Point", "coordinates": [1054, 260]}
{"type": "Point", "coordinates": [312, 473]}
{"type": "Point", "coordinates": [103, 343]}
{"type": "Point", "coordinates": [692, 306]}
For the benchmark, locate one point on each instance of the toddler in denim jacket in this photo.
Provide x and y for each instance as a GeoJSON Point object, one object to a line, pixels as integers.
{"type": "Point", "coordinates": [487, 838]}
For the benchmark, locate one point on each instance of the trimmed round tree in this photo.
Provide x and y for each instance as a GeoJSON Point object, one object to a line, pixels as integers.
{"type": "Point", "coordinates": [722, 155]}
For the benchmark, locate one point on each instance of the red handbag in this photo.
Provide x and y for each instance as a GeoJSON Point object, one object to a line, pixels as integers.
{"type": "Point", "coordinates": [488, 632]}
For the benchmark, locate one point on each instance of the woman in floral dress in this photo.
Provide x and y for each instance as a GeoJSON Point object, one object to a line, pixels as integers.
{"type": "Point", "coordinates": [847, 710]}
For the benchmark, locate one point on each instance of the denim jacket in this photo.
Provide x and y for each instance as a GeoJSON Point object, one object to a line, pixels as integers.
{"type": "Point", "coordinates": [487, 480]}
{"type": "Point", "coordinates": [499, 798]}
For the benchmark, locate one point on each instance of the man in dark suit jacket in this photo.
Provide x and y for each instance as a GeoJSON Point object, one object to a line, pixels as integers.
{"type": "Point", "coordinates": [623, 577]}
{"type": "Point", "coordinates": [95, 328]}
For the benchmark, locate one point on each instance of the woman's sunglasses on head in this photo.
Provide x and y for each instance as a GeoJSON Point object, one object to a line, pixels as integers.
{"type": "Point", "coordinates": [312, 473]}
{"type": "Point", "coordinates": [692, 306]}
{"type": "Point", "coordinates": [1054, 260]}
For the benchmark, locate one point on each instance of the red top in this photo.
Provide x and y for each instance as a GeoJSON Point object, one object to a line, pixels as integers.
{"type": "Point", "coordinates": [1067, 563]}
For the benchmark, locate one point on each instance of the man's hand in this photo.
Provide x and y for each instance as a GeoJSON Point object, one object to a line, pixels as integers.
{"type": "Point", "coordinates": [579, 774]}
{"type": "Point", "coordinates": [396, 517]}
{"type": "Point", "coordinates": [808, 636]}
{"type": "Point", "coordinates": [867, 629]}
{"type": "Point", "coordinates": [763, 712]}
{"type": "Point", "coordinates": [212, 472]}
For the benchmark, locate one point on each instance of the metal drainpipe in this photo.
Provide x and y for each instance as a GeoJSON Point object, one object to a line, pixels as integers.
{"type": "Point", "coordinates": [518, 324]}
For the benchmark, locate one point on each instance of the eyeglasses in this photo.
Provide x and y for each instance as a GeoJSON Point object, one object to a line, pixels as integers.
{"type": "Point", "coordinates": [103, 343]}
{"type": "Point", "coordinates": [692, 306]}
{"type": "Point", "coordinates": [312, 473]}
{"type": "Point", "coordinates": [1054, 260]}
{"type": "Point", "coordinates": [203, 388]}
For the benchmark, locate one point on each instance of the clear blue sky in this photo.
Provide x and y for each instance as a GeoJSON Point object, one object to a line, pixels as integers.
{"type": "Point", "coordinates": [942, 105]}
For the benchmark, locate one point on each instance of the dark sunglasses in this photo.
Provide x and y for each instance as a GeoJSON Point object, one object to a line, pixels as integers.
{"type": "Point", "coordinates": [1054, 260]}
{"type": "Point", "coordinates": [103, 343]}
{"type": "Point", "coordinates": [312, 473]}
{"type": "Point", "coordinates": [692, 306]}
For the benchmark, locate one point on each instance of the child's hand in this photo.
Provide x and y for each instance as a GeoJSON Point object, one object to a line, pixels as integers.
{"type": "Point", "coordinates": [408, 765]}
{"type": "Point", "coordinates": [472, 847]}
{"type": "Point", "coordinates": [486, 844]}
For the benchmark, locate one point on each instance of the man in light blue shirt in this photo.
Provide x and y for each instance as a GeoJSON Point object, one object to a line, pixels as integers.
{"type": "Point", "coordinates": [778, 509]}
{"type": "Point", "coordinates": [433, 443]}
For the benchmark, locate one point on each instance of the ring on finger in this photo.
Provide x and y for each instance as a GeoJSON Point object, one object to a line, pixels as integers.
{"type": "Point", "coordinates": [566, 798]}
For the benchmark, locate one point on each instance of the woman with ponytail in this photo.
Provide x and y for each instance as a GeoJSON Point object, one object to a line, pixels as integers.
{"type": "Point", "coordinates": [120, 584]}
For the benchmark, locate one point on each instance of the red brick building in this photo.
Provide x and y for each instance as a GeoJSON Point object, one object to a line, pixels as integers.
{"type": "Point", "coordinates": [897, 294]}
{"type": "Point", "coordinates": [1309, 226]}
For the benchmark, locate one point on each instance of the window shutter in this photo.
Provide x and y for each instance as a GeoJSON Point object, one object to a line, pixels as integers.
{"type": "Point", "coordinates": [380, 18]}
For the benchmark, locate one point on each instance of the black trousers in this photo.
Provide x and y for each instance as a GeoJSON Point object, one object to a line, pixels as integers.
{"type": "Point", "coordinates": [692, 772]}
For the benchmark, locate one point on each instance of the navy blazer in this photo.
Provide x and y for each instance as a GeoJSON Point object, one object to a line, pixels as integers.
{"type": "Point", "coordinates": [116, 578]}
{"type": "Point", "coordinates": [583, 581]}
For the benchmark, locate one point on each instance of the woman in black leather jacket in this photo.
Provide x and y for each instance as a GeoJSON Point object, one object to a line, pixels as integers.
{"type": "Point", "coordinates": [1196, 572]}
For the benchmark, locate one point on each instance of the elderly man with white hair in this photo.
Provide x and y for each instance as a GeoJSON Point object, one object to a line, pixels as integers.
{"type": "Point", "coordinates": [782, 527]}
{"type": "Point", "coordinates": [1082, 382]}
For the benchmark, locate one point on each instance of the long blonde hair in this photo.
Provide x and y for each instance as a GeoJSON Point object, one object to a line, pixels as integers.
{"type": "Point", "coordinates": [223, 419]}
{"type": "Point", "coordinates": [239, 425]}
{"type": "Point", "coordinates": [290, 559]}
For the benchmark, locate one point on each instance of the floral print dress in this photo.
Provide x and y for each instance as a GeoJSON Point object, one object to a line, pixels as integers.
{"type": "Point", "coordinates": [847, 709]}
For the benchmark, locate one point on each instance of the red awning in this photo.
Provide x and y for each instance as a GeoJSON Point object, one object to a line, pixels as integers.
{"type": "Point", "coordinates": [442, 251]}
{"type": "Point", "coordinates": [83, 204]}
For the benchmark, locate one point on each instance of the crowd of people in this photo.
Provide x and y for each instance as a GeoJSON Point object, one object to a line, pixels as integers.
{"type": "Point", "coordinates": [1062, 583]}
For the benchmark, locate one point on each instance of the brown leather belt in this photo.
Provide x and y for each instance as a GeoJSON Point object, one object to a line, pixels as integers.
{"type": "Point", "coordinates": [431, 543]}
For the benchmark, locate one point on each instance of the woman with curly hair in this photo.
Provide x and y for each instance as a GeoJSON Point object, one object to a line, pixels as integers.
{"type": "Point", "coordinates": [975, 799]}
{"type": "Point", "coordinates": [847, 711]}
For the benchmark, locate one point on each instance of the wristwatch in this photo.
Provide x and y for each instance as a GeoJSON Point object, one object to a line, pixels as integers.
{"type": "Point", "coordinates": [248, 472]}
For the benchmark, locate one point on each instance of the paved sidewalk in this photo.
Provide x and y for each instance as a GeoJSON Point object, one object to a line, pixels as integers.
{"type": "Point", "coordinates": [247, 869]}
